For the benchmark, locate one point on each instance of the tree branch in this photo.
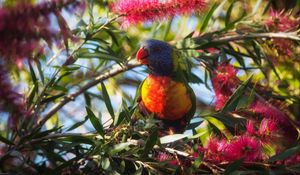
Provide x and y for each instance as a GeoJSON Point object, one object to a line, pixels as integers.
{"type": "Point", "coordinates": [235, 37]}
{"type": "Point", "coordinates": [115, 70]}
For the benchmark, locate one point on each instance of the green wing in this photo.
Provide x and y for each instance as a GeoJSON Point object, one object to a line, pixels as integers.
{"type": "Point", "coordinates": [192, 111]}
{"type": "Point", "coordinates": [182, 71]}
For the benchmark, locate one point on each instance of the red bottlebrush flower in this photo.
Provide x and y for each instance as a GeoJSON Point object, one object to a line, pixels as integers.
{"type": "Point", "coordinates": [224, 82]}
{"type": "Point", "coordinates": [215, 150]}
{"type": "Point", "coordinates": [244, 147]}
{"type": "Point", "coordinates": [270, 112]}
{"type": "Point", "coordinates": [161, 156]}
{"type": "Point", "coordinates": [136, 11]}
{"type": "Point", "coordinates": [293, 160]}
{"type": "Point", "coordinates": [210, 50]}
{"type": "Point", "coordinates": [250, 128]}
{"type": "Point", "coordinates": [280, 22]}
{"type": "Point", "coordinates": [218, 151]}
{"type": "Point", "coordinates": [11, 101]}
{"type": "Point", "coordinates": [166, 157]}
{"type": "Point", "coordinates": [267, 128]}
{"type": "Point", "coordinates": [24, 26]}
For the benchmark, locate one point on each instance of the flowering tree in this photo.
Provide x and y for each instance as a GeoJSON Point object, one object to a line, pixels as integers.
{"type": "Point", "coordinates": [68, 83]}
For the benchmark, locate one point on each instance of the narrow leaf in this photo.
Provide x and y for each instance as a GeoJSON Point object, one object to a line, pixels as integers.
{"type": "Point", "coordinates": [150, 142]}
{"type": "Point", "coordinates": [79, 139]}
{"type": "Point", "coordinates": [233, 166]}
{"type": "Point", "coordinates": [76, 125]}
{"type": "Point", "coordinates": [119, 147]}
{"type": "Point", "coordinates": [95, 121]}
{"type": "Point", "coordinates": [33, 76]}
{"type": "Point", "coordinates": [5, 140]}
{"type": "Point", "coordinates": [107, 101]}
{"type": "Point", "coordinates": [217, 123]}
{"type": "Point", "coordinates": [232, 102]}
{"type": "Point", "coordinates": [172, 138]}
{"type": "Point", "coordinates": [287, 153]}
{"type": "Point", "coordinates": [208, 17]}
{"type": "Point", "coordinates": [228, 14]}
{"type": "Point", "coordinates": [39, 66]}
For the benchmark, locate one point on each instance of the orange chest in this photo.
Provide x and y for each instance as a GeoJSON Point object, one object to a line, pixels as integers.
{"type": "Point", "coordinates": [166, 98]}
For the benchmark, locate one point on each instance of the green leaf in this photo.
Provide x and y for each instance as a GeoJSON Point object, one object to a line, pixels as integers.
{"type": "Point", "coordinates": [269, 149]}
{"type": "Point", "coordinates": [38, 134]}
{"type": "Point", "coordinates": [233, 166]}
{"type": "Point", "coordinates": [217, 123]}
{"type": "Point", "coordinates": [232, 102]}
{"type": "Point", "coordinates": [95, 121]}
{"type": "Point", "coordinates": [139, 171]}
{"type": "Point", "coordinates": [287, 153]}
{"type": "Point", "coordinates": [87, 99]}
{"type": "Point", "coordinates": [76, 125]}
{"type": "Point", "coordinates": [193, 78]}
{"type": "Point", "coordinates": [125, 114]}
{"type": "Point", "coordinates": [189, 35]}
{"type": "Point", "coordinates": [52, 156]}
{"type": "Point", "coordinates": [52, 98]}
{"type": "Point", "coordinates": [5, 140]}
{"type": "Point", "coordinates": [208, 17]}
{"type": "Point", "coordinates": [33, 91]}
{"type": "Point", "coordinates": [39, 66]}
{"type": "Point", "coordinates": [150, 142]}
{"type": "Point", "coordinates": [64, 74]}
{"type": "Point", "coordinates": [99, 55]}
{"type": "Point", "coordinates": [172, 138]}
{"type": "Point", "coordinates": [105, 163]}
{"type": "Point", "coordinates": [206, 75]}
{"type": "Point", "coordinates": [203, 132]}
{"type": "Point", "coordinates": [119, 147]}
{"type": "Point", "coordinates": [33, 75]}
{"type": "Point", "coordinates": [228, 14]}
{"type": "Point", "coordinates": [60, 88]}
{"type": "Point", "coordinates": [107, 101]}
{"type": "Point", "coordinates": [79, 139]}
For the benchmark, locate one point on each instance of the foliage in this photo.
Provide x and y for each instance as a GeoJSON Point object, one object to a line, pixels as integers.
{"type": "Point", "coordinates": [68, 82]}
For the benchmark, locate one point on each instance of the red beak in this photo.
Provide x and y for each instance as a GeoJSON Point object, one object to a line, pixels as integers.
{"type": "Point", "coordinates": [142, 56]}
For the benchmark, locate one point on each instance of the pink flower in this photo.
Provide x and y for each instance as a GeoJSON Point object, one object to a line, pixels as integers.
{"type": "Point", "coordinates": [293, 160]}
{"type": "Point", "coordinates": [23, 27]}
{"type": "Point", "coordinates": [267, 128]}
{"type": "Point", "coordinates": [10, 100]}
{"type": "Point", "coordinates": [268, 111]}
{"type": "Point", "coordinates": [251, 130]}
{"type": "Point", "coordinates": [280, 22]}
{"type": "Point", "coordinates": [136, 11]}
{"type": "Point", "coordinates": [244, 147]}
{"type": "Point", "coordinates": [224, 82]}
{"type": "Point", "coordinates": [219, 150]}
{"type": "Point", "coordinates": [209, 50]}
{"type": "Point", "coordinates": [215, 150]}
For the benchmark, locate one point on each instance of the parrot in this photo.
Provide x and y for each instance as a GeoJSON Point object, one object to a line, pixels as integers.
{"type": "Point", "coordinates": [165, 92]}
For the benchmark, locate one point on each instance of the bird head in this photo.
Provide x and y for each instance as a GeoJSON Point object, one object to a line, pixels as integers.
{"type": "Point", "coordinates": [157, 55]}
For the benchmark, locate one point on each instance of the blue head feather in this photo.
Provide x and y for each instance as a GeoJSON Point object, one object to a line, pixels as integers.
{"type": "Point", "coordinates": [160, 56]}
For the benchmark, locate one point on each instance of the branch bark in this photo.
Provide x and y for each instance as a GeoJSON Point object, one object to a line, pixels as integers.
{"type": "Point", "coordinates": [236, 37]}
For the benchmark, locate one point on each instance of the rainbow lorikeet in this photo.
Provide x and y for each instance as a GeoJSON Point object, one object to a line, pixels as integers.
{"type": "Point", "coordinates": [165, 92]}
